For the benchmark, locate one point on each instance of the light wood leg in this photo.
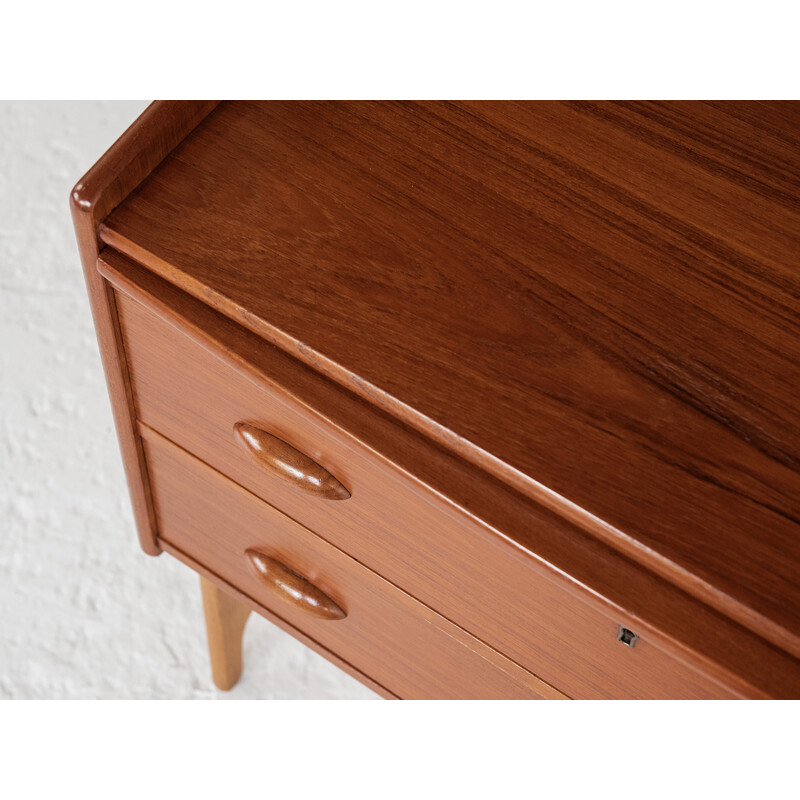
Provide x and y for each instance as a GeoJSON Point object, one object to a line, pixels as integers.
{"type": "Point", "coordinates": [225, 621]}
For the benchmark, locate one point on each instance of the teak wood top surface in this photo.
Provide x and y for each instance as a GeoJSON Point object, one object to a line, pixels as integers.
{"type": "Point", "coordinates": [597, 303]}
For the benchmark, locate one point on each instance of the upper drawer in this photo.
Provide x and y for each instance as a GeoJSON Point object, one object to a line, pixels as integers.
{"type": "Point", "coordinates": [395, 525]}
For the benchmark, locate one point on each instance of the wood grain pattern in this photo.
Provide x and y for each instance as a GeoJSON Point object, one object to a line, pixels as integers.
{"type": "Point", "coordinates": [597, 303]}
{"type": "Point", "coordinates": [452, 557]}
{"type": "Point", "coordinates": [404, 646]}
{"type": "Point", "coordinates": [126, 163]}
{"type": "Point", "coordinates": [225, 621]}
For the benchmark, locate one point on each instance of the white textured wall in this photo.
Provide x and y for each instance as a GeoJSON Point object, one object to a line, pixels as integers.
{"type": "Point", "coordinates": [83, 612]}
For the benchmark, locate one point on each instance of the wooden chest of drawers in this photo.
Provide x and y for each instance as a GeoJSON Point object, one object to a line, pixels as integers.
{"type": "Point", "coordinates": [478, 400]}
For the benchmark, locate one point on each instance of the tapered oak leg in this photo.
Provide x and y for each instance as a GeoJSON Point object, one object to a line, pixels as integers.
{"type": "Point", "coordinates": [225, 621]}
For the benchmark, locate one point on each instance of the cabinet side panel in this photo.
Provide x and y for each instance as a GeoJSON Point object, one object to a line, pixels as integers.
{"type": "Point", "coordinates": [123, 167]}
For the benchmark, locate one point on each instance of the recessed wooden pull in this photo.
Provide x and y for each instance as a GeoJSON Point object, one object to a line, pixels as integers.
{"type": "Point", "coordinates": [283, 460]}
{"type": "Point", "coordinates": [294, 588]}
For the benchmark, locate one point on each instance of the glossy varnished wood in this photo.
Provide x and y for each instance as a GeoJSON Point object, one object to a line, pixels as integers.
{"type": "Point", "coordinates": [288, 463]}
{"type": "Point", "coordinates": [541, 591]}
{"type": "Point", "coordinates": [589, 439]}
{"type": "Point", "coordinates": [225, 621]}
{"type": "Point", "coordinates": [289, 586]}
{"type": "Point", "coordinates": [127, 162]}
{"type": "Point", "coordinates": [597, 303]}
{"type": "Point", "coordinates": [386, 634]}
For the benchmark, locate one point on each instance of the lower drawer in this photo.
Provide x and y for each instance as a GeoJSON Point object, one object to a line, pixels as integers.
{"type": "Point", "coordinates": [384, 633]}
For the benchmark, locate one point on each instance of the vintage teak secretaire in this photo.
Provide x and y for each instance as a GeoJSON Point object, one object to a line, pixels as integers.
{"type": "Point", "coordinates": [478, 400]}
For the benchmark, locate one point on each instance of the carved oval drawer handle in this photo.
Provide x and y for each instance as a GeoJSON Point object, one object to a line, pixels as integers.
{"type": "Point", "coordinates": [283, 460]}
{"type": "Point", "coordinates": [294, 588]}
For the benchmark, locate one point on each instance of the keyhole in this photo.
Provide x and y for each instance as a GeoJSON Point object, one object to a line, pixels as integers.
{"type": "Point", "coordinates": [627, 637]}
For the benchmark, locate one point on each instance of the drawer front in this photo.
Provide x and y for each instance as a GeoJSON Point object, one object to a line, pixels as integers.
{"type": "Point", "coordinates": [317, 589]}
{"type": "Point", "coordinates": [394, 525]}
